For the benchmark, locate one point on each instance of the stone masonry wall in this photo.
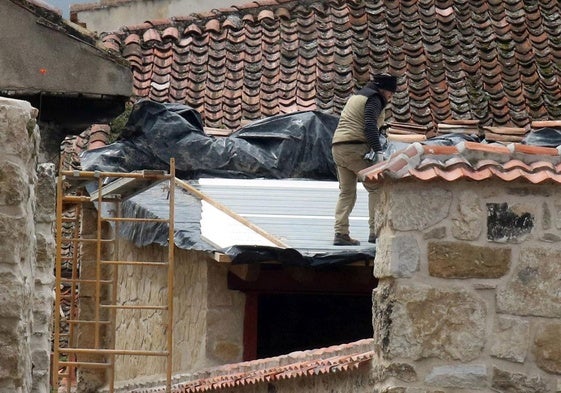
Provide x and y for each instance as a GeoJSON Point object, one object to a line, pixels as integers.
{"type": "Point", "coordinates": [469, 296]}
{"type": "Point", "coordinates": [208, 318]}
{"type": "Point", "coordinates": [26, 252]}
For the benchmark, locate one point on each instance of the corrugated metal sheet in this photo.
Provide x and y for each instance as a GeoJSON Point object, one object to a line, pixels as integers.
{"type": "Point", "coordinates": [252, 220]}
{"type": "Point", "coordinates": [300, 213]}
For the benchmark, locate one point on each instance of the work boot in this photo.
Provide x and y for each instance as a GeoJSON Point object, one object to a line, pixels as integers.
{"type": "Point", "coordinates": [372, 238]}
{"type": "Point", "coordinates": [341, 239]}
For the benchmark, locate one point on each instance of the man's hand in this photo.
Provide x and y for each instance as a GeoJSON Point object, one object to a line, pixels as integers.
{"type": "Point", "coordinates": [374, 156]}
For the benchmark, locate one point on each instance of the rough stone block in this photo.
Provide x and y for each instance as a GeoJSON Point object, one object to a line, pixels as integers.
{"type": "Point", "coordinates": [14, 118]}
{"type": "Point", "coordinates": [533, 288]}
{"type": "Point", "coordinates": [397, 256]}
{"type": "Point", "coordinates": [550, 238]}
{"type": "Point", "coordinates": [546, 217]}
{"type": "Point", "coordinates": [510, 339]}
{"type": "Point", "coordinates": [509, 224]}
{"type": "Point", "coordinates": [556, 214]}
{"type": "Point", "coordinates": [468, 221]}
{"type": "Point", "coordinates": [506, 381]}
{"type": "Point", "coordinates": [14, 184]}
{"type": "Point", "coordinates": [46, 193]}
{"type": "Point", "coordinates": [458, 377]}
{"type": "Point", "coordinates": [547, 347]}
{"type": "Point", "coordinates": [402, 371]}
{"type": "Point", "coordinates": [418, 209]}
{"type": "Point", "coordinates": [436, 233]}
{"type": "Point", "coordinates": [12, 297]}
{"type": "Point", "coordinates": [418, 321]}
{"type": "Point", "coordinates": [463, 260]}
{"type": "Point", "coordinates": [45, 250]}
{"type": "Point", "coordinates": [10, 367]}
{"type": "Point", "coordinates": [15, 233]}
{"type": "Point", "coordinates": [40, 358]}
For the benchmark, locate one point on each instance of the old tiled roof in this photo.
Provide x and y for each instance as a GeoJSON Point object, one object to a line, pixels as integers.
{"type": "Point", "coordinates": [492, 61]}
{"type": "Point", "coordinates": [470, 161]}
{"type": "Point", "coordinates": [298, 364]}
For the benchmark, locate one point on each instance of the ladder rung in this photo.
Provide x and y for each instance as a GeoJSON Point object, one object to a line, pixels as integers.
{"type": "Point", "coordinates": [113, 351]}
{"type": "Point", "coordinates": [133, 307]}
{"type": "Point", "coordinates": [137, 263]}
{"type": "Point", "coordinates": [75, 199]}
{"type": "Point", "coordinates": [144, 174]}
{"type": "Point", "coordinates": [84, 281]}
{"type": "Point", "coordinates": [67, 219]}
{"type": "Point", "coordinates": [84, 364]}
{"type": "Point", "coordinates": [77, 321]}
{"type": "Point", "coordinates": [134, 219]}
{"type": "Point", "coordinates": [78, 239]}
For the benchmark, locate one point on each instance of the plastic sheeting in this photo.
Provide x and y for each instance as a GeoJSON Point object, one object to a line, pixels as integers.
{"type": "Point", "coordinates": [296, 145]}
{"type": "Point", "coordinates": [545, 137]}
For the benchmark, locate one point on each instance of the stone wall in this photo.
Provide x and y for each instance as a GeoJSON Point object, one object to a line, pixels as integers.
{"type": "Point", "coordinates": [27, 201]}
{"type": "Point", "coordinates": [208, 318]}
{"type": "Point", "coordinates": [469, 295]}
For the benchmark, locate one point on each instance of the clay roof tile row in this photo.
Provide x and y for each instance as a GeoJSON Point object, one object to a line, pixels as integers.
{"type": "Point", "coordinates": [471, 161]}
{"type": "Point", "coordinates": [493, 61]}
{"type": "Point", "coordinates": [307, 363]}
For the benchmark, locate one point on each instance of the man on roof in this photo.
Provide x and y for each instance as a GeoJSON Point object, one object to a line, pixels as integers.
{"type": "Point", "coordinates": [356, 145]}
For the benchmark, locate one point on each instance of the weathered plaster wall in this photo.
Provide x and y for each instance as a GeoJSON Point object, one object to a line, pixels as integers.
{"type": "Point", "coordinates": [208, 318]}
{"type": "Point", "coordinates": [28, 64]}
{"type": "Point", "coordinates": [111, 15]}
{"type": "Point", "coordinates": [26, 252]}
{"type": "Point", "coordinates": [469, 294]}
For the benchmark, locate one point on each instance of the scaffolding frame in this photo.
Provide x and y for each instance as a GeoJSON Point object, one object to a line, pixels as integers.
{"type": "Point", "coordinates": [71, 199]}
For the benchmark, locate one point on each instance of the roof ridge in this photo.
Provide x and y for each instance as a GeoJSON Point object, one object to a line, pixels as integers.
{"type": "Point", "coordinates": [254, 8]}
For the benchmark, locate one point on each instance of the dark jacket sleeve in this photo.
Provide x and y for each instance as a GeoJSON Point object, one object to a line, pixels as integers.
{"type": "Point", "coordinates": [372, 111]}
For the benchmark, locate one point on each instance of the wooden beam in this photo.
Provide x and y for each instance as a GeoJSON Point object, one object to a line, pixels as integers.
{"type": "Point", "coordinates": [221, 258]}
{"type": "Point", "coordinates": [350, 280]}
{"type": "Point", "coordinates": [246, 272]}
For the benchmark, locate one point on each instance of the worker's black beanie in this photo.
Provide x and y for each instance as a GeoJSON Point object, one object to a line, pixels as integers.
{"type": "Point", "coordinates": [386, 82]}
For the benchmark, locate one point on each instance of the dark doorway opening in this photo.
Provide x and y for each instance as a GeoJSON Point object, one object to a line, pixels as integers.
{"type": "Point", "coordinates": [291, 309]}
{"type": "Point", "coordinates": [294, 322]}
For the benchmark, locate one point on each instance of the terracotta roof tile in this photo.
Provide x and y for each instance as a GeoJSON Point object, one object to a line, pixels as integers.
{"type": "Point", "coordinates": [487, 60]}
{"type": "Point", "coordinates": [329, 360]}
{"type": "Point", "coordinates": [472, 161]}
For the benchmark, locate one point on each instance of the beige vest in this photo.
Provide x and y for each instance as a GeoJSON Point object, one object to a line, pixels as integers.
{"type": "Point", "coordinates": [351, 122]}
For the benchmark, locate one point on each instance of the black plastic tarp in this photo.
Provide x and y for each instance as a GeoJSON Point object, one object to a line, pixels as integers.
{"type": "Point", "coordinates": [296, 145]}
{"type": "Point", "coordinates": [545, 137]}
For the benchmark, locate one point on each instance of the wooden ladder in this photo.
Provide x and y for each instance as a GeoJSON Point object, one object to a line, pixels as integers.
{"type": "Point", "coordinates": [101, 285]}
